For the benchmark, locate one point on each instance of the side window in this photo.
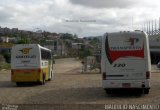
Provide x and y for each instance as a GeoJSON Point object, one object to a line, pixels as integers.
{"type": "Point", "coordinates": [45, 55]}
{"type": "Point", "coordinates": [42, 54]}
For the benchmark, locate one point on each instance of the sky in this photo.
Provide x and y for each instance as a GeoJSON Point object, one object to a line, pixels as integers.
{"type": "Point", "coordinates": [81, 17]}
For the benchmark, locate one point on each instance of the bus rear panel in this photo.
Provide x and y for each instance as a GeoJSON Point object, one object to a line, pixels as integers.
{"type": "Point", "coordinates": [125, 61]}
{"type": "Point", "coordinates": [29, 63]}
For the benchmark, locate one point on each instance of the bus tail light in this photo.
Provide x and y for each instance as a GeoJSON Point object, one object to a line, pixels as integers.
{"type": "Point", "coordinates": [147, 75]}
{"type": "Point", "coordinates": [104, 76]}
{"type": "Point", "coordinates": [12, 72]}
{"type": "Point", "coordinates": [39, 70]}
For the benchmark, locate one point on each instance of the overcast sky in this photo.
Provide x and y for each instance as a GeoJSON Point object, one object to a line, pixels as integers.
{"type": "Point", "coordinates": [81, 17]}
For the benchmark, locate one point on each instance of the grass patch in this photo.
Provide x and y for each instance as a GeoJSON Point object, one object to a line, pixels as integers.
{"type": "Point", "coordinates": [5, 66]}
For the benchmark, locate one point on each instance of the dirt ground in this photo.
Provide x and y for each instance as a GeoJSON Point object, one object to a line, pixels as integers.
{"type": "Point", "coordinates": [70, 89]}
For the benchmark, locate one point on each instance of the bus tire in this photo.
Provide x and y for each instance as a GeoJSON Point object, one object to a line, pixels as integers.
{"type": "Point", "coordinates": [146, 91]}
{"type": "Point", "coordinates": [43, 80]}
{"type": "Point", "coordinates": [108, 91]}
{"type": "Point", "coordinates": [19, 83]}
{"type": "Point", "coordinates": [139, 91]}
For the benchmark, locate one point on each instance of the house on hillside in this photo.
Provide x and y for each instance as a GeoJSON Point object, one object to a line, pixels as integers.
{"type": "Point", "coordinates": [8, 39]}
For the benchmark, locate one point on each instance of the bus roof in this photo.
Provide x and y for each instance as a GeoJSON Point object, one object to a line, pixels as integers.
{"type": "Point", "coordinates": [130, 32]}
{"type": "Point", "coordinates": [44, 48]}
{"type": "Point", "coordinates": [23, 45]}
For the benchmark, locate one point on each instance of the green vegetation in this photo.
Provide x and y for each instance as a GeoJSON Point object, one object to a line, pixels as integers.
{"type": "Point", "coordinates": [84, 52]}
{"type": "Point", "coordinates": [7, 56]}
{"type": "Point", "coordinates": [3, 64]}
{"type": "Point", "coordinates": [24, 40]}
{"type": "Point", "coordinates": [94, 41]}
{"type": "Point", "coordinates": [6, 45]}
{"type": "Point", "coordinates": [69, 36]}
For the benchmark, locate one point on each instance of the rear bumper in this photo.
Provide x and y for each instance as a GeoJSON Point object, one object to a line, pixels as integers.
{"type": "Point", "coordinates": [134, 84]}
{"type": "Point", "coordinates": [26, 75]}
{"type": "Point", "coordinates": [23, 77]}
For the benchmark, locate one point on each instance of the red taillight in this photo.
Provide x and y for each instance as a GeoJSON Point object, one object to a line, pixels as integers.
{"type": "Point", "coordinates": [39, 70]}
{"type": "Point", "coordinates": [104, 76]}
{"type": "Point", "coordinates": [147, 75]}
{"type": "Point", "coordinates": [12, 72]}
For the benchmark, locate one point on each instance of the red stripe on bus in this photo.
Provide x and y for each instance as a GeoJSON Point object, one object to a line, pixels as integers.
{"type": "Point", "coordinates": [114, 55]}
{"type": "Point", "coordinates": [26, 70]}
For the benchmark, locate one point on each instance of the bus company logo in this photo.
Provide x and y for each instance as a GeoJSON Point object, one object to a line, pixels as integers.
{"type": "Point", "coordinates": [25, 50]}
{"type": "Point", "coordinates": [122, 50]}
{"type": "Point", "coordinates": [132, 41]}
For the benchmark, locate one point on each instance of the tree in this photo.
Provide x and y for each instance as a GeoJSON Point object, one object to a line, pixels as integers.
{"type": "Point", "coordinates": [1, 58]}
{"type": "Point", "coordinates": [67, 36]}
{"type": "Point", "coordinates": [84, 53]}
{"type": "Point", "coordinates": [94, 41]}
{"type": "Point", "coordinates": [24, 40]}
{"type": "Point", "coordinates": [75, 36]}
{"type": "Point", "coordinates": [7, 56]}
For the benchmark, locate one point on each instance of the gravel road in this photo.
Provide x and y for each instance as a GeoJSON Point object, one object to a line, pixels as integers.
{"type": "Point", "coordinates": [71, 89]}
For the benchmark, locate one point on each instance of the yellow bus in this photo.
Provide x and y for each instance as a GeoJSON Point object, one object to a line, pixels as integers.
{"type": "Point", "coordinates": [31, 63]}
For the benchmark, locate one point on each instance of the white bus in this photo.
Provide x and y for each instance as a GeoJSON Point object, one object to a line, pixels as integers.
{"type": "Point", "coordinates": [125, 61]}
{"type": "Point", "coordinates": [31, 63]}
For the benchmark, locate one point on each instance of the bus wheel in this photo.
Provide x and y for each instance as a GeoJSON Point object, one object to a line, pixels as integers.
{"type": "Point", "coordinates": [108, 91]}
{"type": "Point", "coordinates": [43, 80]}
{"type": "Point", "coordinates": [146, 91]}
{"type": "Point", "coordinates": [19, 83]}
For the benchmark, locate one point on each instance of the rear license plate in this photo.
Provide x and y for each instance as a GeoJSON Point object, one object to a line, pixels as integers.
{"type": "Point", "coordinates": [126, 85]}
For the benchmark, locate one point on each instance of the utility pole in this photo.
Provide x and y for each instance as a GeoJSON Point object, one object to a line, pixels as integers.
{"type": "Point", "coordinates": [149, 29]}
{"type": "Point", "coordinates": [152, 27]}
{"type": "Point", "coordinates": [155, 27]}
{"type": "Point", "coordinates": [159, 27]}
